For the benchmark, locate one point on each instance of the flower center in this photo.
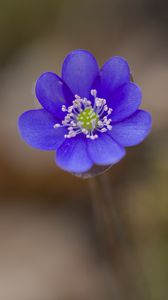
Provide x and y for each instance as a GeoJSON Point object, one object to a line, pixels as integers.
{"type": "Point", "coordinates": [86, 117]}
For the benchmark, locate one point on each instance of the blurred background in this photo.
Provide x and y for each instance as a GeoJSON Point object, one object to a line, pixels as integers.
{"type": "Point", "coordinates": [50, 248]}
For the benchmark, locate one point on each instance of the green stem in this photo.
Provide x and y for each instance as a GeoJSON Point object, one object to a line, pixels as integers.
{"type": "Point", "coordinates": [123, 260]}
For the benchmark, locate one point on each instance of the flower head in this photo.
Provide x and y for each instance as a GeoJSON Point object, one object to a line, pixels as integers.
{"type": "Point", "coordinates": [89, 115]}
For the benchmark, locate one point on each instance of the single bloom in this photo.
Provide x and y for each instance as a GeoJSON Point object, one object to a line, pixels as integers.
{"type": "Point", "coordinates": [88, 116]}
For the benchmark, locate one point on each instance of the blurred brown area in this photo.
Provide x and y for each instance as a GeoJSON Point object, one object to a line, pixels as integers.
{"type": "Point", "coordinates": [49, 245]}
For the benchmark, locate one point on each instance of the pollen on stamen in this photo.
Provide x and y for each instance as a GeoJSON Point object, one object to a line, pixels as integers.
{"type": "Point", "coordinates": [64, 108]}
{"type": "Point", "coordinates": [104, 130]}
{"type": "Point", "coordinates": [85, 131]}
{"type": "Point", "coordinates": [93, 92]}
{"type": "Point", "coordinates": [56, 125]}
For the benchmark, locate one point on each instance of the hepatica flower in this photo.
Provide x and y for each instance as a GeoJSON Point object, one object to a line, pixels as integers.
{"type": "Point", "coordinates": [88, 116]}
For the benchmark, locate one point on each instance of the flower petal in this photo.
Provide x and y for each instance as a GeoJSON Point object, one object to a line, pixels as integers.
{"type": "Point", "coordinates": [125, 101]}
{"type": "Point", "coordinates": [132, 130]}
{"type": "Point", "coordinates": [114, 73]}
{"type": "Point", "coordinates": [72, 155]}
{"type": "Point", "coordinates": [52, 93]}
{"type": "Point", "coordinates": [104, 150]}
{"type": "Point", "coordinates": [36, 129]}
{"type": "Point", "coordinates": [79, 72]}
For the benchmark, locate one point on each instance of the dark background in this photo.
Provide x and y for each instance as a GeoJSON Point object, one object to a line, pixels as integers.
{"type": "Point", "coordinates": [49, 246]}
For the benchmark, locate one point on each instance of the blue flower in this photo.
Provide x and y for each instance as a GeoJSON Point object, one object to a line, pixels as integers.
{"type": "Point", "coordinates": [89, 115]}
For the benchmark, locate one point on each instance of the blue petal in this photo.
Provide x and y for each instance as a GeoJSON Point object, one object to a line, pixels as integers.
{"type": "Point", "coordinates": [36, 129]}
{"type": "Point", "coordinates": [104, 150]}
{"type": "Point", "coordinates": [52, 93]}
{"type": "Point", "coordinates": [125, 101]}
{"type": "Point", "coordinates": [79, 72]}
{"type": "Point", "coordinates": [113, 74]}
{"type": "Point", "coordinates": [72, 155]}
{"type": "Point", "coordinates": [132, 130]}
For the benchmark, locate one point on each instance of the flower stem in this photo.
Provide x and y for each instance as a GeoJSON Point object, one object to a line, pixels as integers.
{"type": "Point", "coordinates": [123, 260]}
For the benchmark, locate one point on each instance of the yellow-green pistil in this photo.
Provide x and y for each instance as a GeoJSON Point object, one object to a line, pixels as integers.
{"type": "Point", "coordinates": [88, 119]}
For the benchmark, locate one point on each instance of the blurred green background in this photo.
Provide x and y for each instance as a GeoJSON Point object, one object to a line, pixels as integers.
{"type": "Point", "coordinates": [49, 246]}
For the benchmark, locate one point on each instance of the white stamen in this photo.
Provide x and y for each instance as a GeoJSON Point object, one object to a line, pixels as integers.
{"type": "Point", "coordinates": [82, 115]}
